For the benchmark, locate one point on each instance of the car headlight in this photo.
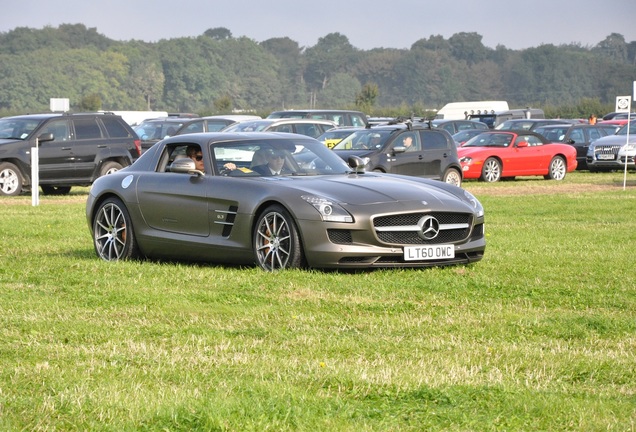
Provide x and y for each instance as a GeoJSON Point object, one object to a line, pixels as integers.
{"type": "Point", "coordinates": [466, 160]}
{"type": "Point", "coordinates": [475, 203]}
{"type": "Point", "coordinates": [628, 147]}
{"type": "Point", "coordinates": [329, 210]}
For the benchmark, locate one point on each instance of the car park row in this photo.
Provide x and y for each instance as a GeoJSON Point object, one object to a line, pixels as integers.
{"type": "Point", "coordinates": [83, 147]}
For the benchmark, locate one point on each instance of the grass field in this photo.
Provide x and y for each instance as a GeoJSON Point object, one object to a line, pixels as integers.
{"type": "Point", "coordinates": [539, 335]}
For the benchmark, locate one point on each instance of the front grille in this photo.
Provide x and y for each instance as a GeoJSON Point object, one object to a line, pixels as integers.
{"type": "Point", "coordinates": [403, 228]}
{"type": "Point", "coordinates": [606, 150]}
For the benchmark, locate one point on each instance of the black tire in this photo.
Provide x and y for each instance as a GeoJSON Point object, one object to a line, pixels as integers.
{"type": "Point", "coordinates": [276, 242]}
{"type": "Point", "coordinates": [109, 168]}
{"type": "Point", "coordinates": [55, 190]}
{"type": "Point", "coordinates": [491, 172]}
{"type": "Point", "coordinates": [452, 176]}
{"type": "Point", "coordinates": [557, 169]}
{"type": "Point", "coordinates": [11, 179]}
{"type": "Point", "coordinates": [113, 232]}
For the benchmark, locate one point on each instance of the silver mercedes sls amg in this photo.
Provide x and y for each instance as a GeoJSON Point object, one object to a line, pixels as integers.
{"type": "Point", "coordinates": [279, 201]}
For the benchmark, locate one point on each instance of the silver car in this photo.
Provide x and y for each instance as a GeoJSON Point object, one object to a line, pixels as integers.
{"type": "Point", "coordinates": [609, 153]}
{"type": "Point", "coordinates": [320, 213]}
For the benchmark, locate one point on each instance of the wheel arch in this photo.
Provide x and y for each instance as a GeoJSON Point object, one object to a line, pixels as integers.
{"type": "Point", "coordinates": [25, 169]}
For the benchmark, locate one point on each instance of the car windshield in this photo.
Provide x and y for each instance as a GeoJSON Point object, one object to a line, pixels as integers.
{"type": "Point", "coordinates": [624, 130]}
{"type": "Point", "coordinates": [13, 128]}
{"type": "Point", "coordinates": [156, 130]}
{"type": "Point", "coordinates": [490, 140]}
{"type": "Point", "coordinates": [298, 157]}
{"type": "Point", "coordinates": [364, 139]}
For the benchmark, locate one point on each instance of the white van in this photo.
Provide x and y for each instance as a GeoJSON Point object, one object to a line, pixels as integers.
{"type": "Point", "coordinates": [462, 110]}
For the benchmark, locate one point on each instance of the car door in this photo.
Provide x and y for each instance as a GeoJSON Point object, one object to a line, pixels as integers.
{"type": "Point", "coordinates": [56, 158]}
{"type": "Point", "coordinates": [410, 162]}
{"type": "Point", "coordinates": [175, 202]}
{"type": "Point", "coordinates": [88, 143]}
{"type": "Point", "coordinates": [531, 159]}
{"type": "Point", "coordinates": [435, 152]}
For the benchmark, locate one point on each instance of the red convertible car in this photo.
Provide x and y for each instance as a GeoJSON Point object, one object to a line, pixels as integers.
{"type": "Point", "coordinates": [494, 155]}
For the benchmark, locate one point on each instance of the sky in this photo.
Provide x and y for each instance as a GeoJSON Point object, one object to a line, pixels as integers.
{"type": "Point", "coordinates": [367, 24]}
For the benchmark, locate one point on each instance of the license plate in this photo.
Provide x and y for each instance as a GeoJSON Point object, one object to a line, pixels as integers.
{"type": "Point", "coordinates": [605, 157]}
{"type": "Point", "coordinates": [435, 252]}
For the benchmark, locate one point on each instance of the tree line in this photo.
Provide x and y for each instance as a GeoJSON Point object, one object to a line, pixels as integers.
{"type": "Point", "coordinates": [218, 73]}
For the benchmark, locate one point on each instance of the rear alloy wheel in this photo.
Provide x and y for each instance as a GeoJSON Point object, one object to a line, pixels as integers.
{"type": "Point", "coordinates": [109, 168]}
{"type": "Point", "coordinates": [557, 169]}
{"type": "Point", "coordinates": [55, 190]}
{"type": "Point", "coordinates": [452, 176]}
{"type": "Point", "coordinates": [10, 179]}
{"type": "Point", "coordinates": [113, 234]}
{"type": "Point", "coordinates": [491, 171]}
{"type": "Point", "coordinates": [276, 241]}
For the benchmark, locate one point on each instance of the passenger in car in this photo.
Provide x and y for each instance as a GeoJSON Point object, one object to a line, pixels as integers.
{"type": "Point", "coordinates": [194, 153]}
{"type": "Point", "coordinates": [275, 164]}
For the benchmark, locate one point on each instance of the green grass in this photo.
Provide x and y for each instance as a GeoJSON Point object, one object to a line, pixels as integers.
{"type": "Point", "coordinates": [539, 335]}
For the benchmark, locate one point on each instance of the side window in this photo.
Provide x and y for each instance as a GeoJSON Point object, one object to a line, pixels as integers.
{"type": "Point", "coordinates": [87, 128]}
{"type": "Point", "coordinates": [356, 120]}
{"type": "Point", "coordinates": [577, 136]}
{"type": "Point", "coordinates": [594, 134]}
{"type": "Point", "coordinates": [282, 128]}
{"type": "Point", "coordinates": [193, 127]}
{"type": "Point", "coordinates": [59, 129]}
{"type": "Point", "coordinates": [115, 128]}
{"type": "Point", "coordinates": [432, 140]}
{"type": "Point", "coordinates": [307, 129]}
{"type": "Point", "coordinates": [449, 127]}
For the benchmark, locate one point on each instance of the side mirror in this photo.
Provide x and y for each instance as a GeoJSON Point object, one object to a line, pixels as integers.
{"type": "Point", "coordinates": [570, 141]}
{"type": "Point", "coordinates": [184, 166]}
{"type": "Point", "coordinates": [399, 149]}
{"type": "Point", "coordinates": [356, 163]}
{"type": "Point", "coordinates": [45, 137]}
{"type": "Point", "coordinates": [522, 144]}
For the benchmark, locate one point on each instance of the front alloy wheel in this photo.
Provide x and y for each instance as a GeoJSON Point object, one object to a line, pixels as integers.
{"type": "Point", "coordinates": [113, 234]}
{"type": "Point", "coordinates": [10, 179]}
{"type": "Point", "coordinates": [276, 240]}
{"type": "Point", "coordinates": [557, 169]}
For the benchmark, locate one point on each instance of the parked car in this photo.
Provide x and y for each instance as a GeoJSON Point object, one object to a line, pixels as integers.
{"type": "Point", "coordinates": [324, 214]}
{"type": "Point", "coordinates": [609, 153]}
{"type": "Point", "coordinates": [530, 124]}
{"type": "Point", "coordinates": [340, 117]}
{"type": "Point", "coordinates": [454, 126]}
{"type": "Point", "coordinates": [462, 136]}
{"type": "Point", "coordinates": [619, 115]}
{"type": "Point", "coordinates": [433, 153]}
{"type": "Point", "coordinates": [153, 130]}
{"type": "Point", "coordinates": [74, 150]}
{"type": "Point", "coordinates": [578, 135]}
{"type": "Point", "coordinates": [494, 155]}
{"type": "Point", "coordinates": [333, 136]}
{"type": "Point", "coordinates": [309, 127]}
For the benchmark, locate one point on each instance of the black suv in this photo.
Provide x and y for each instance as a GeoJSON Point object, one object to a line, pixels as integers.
{"type": "Point", "coordinates": [74, 150]}
{"type": "Point", "coordinates": [404, 147]}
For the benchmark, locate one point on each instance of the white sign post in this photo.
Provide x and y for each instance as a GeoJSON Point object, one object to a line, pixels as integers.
{"type": "Point", "coordinates": [35, 174]}
{"type": "Point", "coordinates": [624, 104]}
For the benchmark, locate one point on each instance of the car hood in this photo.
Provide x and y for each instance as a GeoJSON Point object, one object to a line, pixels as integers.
{"type": "Point", "coordinates": [469, 151]}
{"type": "Point", "coordinates": [367, 189]}
{"type": "Point", "coordinates": [613, 140]}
